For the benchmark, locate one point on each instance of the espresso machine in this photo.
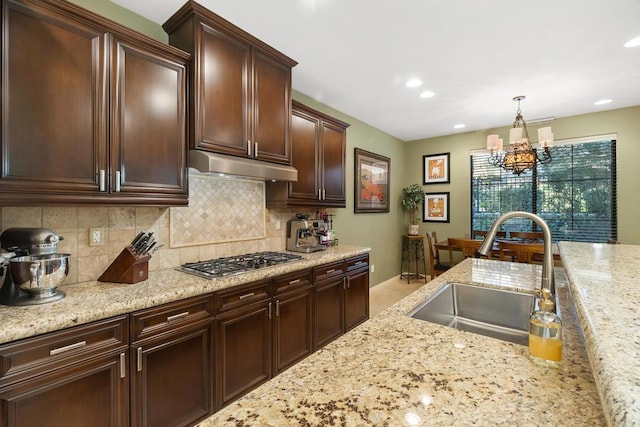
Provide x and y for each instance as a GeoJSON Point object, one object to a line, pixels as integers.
{"type": "Point", "coordinates": [304, 235]}
{"type": "Point", "coordinates": [31, 266]}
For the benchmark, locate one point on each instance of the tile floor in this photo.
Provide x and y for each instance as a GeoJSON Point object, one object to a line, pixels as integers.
{"type": "Point", "coordinates": [389, 292]}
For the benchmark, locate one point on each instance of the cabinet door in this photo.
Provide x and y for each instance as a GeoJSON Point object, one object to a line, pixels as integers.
{"type": "Point", "coordinates": [357, 298]}
{"type": "Point", "coordinates": [54, 115]}
{"type": "Point", "coordinates": [333, 164]}
{"type": "Point", "coordinates": [292, 332]}
{"type": "Point", "coordinates": [243, 351]}
{"type": "Point", "coordinates": [272, 109]}
{"type": "Point", "coordinates": [328, 311]}
{"type": "Point", "coordinates": [172, 378]}
{"type": "Point", "coordinates": [148, 124]}
{"type": "Point", "coordinates": [221, 93]}
{"type": "Point", "coordinates": [94, 393]}
{"type": "Point", "coordinates": [305, 158]}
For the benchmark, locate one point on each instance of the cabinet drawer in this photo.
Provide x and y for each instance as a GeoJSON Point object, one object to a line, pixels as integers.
{"type": "Point", "coordinates": [328, 271]}
{"type": "Point", "coordinates": [291, 282]}
{"type": "Point", "coordinates": [44, 353]}
{"type": "Point", "coordinates": [160, 319]}
{"type": "Point", "coordinates": [238, 296]}
{"type": "Point", "coordinates": [357, 263]}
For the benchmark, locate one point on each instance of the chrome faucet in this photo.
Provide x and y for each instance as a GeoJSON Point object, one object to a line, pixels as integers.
{"type": "Point", "coordinates": [548, 281]}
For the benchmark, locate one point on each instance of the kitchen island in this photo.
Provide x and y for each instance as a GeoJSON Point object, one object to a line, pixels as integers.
{"type": "Point", "coordinates": [396, 370]}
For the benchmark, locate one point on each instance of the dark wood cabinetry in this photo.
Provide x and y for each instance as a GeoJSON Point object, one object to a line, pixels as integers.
{"type": "Point", "coordinates": [341, 298]}
{"type": "Point", "coordinates": [318, 146]}
{"type": "Point", "coordinates": [74, 377]}
{"type": "Point", "coordinates": [241, 92]}
{"type": "Point", "coordinates": [91, 112]}
{"type": "Point", "coordinates": [172, 363]}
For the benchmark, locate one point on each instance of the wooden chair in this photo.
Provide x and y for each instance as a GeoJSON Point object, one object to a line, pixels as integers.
{"type": "Point", "coordinates": [436, 267]}
{"type": "Point", "coordinates": [533, 236]}
{"type": "Point", "coordinates": [468, 247]}
{"type": "Point", "coordinates": [479, 234]}
{"type": "Point", "coordinates": [521, 252]}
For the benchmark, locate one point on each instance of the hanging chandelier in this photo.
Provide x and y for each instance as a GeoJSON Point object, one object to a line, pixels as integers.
{"type": "Point", "coordinates": [519, 155]}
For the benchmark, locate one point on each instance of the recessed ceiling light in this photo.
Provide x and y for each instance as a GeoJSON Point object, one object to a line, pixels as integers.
{"type": "Point", "coordinates": [427, 94]}
{"type": "Point", "coordinates": [459, 126]}
{"type": "Point", "coordinates": [634, 42]}
{"type": "Point", "coordinates": [603, 102]}
{"type": "Point", "coordinates": [413, 82]}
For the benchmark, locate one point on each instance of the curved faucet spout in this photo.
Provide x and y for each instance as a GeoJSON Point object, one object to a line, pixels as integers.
{"type": "Point", "coordinates": [548, 281]}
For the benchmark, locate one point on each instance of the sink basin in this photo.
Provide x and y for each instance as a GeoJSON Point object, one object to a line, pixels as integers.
{"type": "Point", "coordinates": [485, 311]}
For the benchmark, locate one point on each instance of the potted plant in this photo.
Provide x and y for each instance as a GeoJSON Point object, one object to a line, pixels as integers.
{"type": "Point", "coordinates": [412, 199]}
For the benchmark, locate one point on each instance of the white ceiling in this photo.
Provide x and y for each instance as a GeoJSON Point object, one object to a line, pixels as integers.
{"type": "Point", "coordinates": [356, 55]}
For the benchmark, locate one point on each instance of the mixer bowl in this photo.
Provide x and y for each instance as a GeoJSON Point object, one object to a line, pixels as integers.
{"type": "Point", "coordinates": [39, 275]}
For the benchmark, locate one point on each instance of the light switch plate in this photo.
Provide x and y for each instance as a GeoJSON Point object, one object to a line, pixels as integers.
{"type": "Point", "coordinates": [96, 237]}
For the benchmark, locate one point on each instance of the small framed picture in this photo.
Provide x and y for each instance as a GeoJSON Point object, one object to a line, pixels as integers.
{"type": "Point", "coordinates": [435, 168]}
{"type": "Point", "coordinates": [436, 207]}
{"type": "Point", "coordinates": [371, 182]}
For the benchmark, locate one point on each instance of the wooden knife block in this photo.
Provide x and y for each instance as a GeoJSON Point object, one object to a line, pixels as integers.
{"type": "Point", "coordinates": [127, 268]}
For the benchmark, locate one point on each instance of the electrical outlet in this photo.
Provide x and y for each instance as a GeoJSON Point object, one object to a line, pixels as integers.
{"type": "Point", "coordinates": [96, 236]}
{"type": "Point", "coordinates": [373, 268]}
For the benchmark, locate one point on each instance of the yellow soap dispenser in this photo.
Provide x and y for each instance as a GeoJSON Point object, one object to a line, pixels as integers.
{"type": "Point", "coordinates": [545, 333]}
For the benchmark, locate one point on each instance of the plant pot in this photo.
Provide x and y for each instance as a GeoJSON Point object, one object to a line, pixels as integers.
{"type": "Point", "coordinates": [414, 229]}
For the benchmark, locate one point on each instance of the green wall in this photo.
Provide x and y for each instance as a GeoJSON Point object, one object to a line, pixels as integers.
{"type": "Point", "coordinates": [625, 122]}
{"type": "Point", "coordinates": [382, 231]}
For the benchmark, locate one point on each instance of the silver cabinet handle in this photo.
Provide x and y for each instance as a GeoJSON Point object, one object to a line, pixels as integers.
{"type": "Point", "coordinates": [102, 180]}
{"type": "Point", "coordinates": [348, 281]}
{"type": "Point", "coordinates": [324, 194]}
{"type": "Point", "coordinates": [117, 181]}
{"type": "Point", "coordinates": [249, 148]}
{"type": "Point", "coordinates": [139, 359]}
{"type": "Point", "coordinates": [319, 194]}
{"type": "Point", "coordinates": [67, 348]}
{"type": "Point", "coordinates": [293, 282]}
{"type": "Point", "coordinates": [246, 295]}
{"type": "Point", "coordinates": [123, 365]}
{"type": "Point", "coordinates": [277, 308]}
{"type": "Point", "coordinates": [269, 310]}
{"type": "Point", "coordinates": [330, 271]}
{"type": "Point", "coordinates": [255, 150]}
{"type": "Point", "coordinates": [360, 263]}
{"type": "Point", "coordinates": [177, 316]}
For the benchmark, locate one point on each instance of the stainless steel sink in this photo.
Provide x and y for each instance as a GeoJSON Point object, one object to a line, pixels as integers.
{"type": "Point", "coordinates": [485, 311]}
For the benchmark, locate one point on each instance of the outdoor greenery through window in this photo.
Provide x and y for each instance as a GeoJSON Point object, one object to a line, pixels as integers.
{"type": "Point", "coordinates": [575, 193]}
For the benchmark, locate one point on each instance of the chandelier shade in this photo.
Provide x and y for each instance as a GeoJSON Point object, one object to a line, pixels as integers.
{"type": "Point", "coordinates": [519, 155]}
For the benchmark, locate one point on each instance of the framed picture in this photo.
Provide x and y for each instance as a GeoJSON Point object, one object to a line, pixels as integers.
{"type": "Point", "coordinates": [435, 168]}
{"type": "Point", "coordinates": [371, 184]}
{"type": "Point", "coordinates": [436, 207]}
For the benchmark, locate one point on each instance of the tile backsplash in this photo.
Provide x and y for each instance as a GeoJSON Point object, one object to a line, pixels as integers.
{"type": "Point", "coordinates": [224, 217]}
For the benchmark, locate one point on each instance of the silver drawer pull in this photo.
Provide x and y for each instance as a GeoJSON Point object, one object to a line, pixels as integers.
{"type": "Point", "coordinates": [360, 263]}
{"type": "Point", "coordinates": [117, 181]}
{"type": "Point", "coordinates": [293, 282]}
{"type": "Point", "coordinates": [139, 358]}
{"type": "Point", "coordinates": [177, 316]}
{"type": "Point", "coordinates": [102, 183]}
{"type": "Point", "coordinates": [246, 295]}
{"type": "Point", "coordinates": [331, 271]}
{"type": "Point", "coordinates": [67, 348]}
{"type": "Point", "coordinates": [123, 365]}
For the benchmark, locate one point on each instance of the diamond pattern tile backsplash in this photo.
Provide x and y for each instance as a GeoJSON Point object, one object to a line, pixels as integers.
{"type": "Point", "coordinates": [220, 210]}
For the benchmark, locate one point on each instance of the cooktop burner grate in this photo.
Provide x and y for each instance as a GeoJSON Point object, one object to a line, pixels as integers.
{"type": "Point", "coordinates": [227, 266]}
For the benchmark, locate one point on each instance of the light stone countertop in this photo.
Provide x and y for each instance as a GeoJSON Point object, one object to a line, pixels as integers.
{"type": "Point", "coordinates": [395, 370]}
{"type": "Point", "coordinates": [91, 301]}
{"type": "Point", "coordinates": [605, 287]}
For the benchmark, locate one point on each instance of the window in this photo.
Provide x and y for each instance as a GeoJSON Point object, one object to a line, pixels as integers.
{"type": "Point", "coordinates": [575, 193]}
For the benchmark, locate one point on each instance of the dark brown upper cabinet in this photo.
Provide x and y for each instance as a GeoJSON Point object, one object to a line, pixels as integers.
{"type": "Point", "coordinates": [319, 154]}
{"type": "Point", "coordinates": [241, 91]}
{"type": "Point", "coordinates": [92, 112]}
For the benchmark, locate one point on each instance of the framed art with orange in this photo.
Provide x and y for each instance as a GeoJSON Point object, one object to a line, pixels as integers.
{"type": "Point", "coordinates": [371, 182]}
{"type": "Point", "coordinates": [436, 207]}
{"type": "Point", "coordinates": [435, 168]}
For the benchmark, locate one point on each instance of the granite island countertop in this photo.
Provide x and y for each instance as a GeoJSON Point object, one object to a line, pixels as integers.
{"type": "Point", "coordinates": [605, 287]}
{"type": "Point", "coordinates": [395, 370]}
{"type": "Point", "coordinates": [90, 301]}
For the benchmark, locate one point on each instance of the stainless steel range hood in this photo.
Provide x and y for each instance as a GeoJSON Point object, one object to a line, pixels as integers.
{"type": "Point", "coordinates": [205, 161]}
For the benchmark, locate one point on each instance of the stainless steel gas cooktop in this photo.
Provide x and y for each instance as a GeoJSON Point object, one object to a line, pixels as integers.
{"type": "Point", "coordinates": [228, 266]}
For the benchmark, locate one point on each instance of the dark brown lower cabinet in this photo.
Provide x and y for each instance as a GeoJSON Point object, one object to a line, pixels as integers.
{"type": "Point", "coordinates": [76, 377]}
{"type": "Point", "coordinates": [328, 311]}
{"type": "Point", "coordinates": [356, 292]}
{"type": "Point", "coordinates": [172, 363]}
